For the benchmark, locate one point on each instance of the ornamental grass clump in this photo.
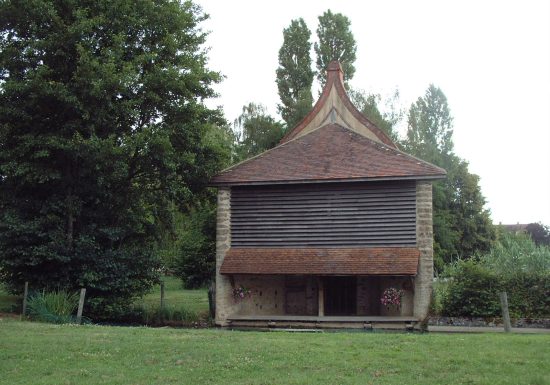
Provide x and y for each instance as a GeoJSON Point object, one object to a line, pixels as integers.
{"type": "Point", "coordinates": [54, 306]}
{"type": "Point", "coordinates": [391, 297]}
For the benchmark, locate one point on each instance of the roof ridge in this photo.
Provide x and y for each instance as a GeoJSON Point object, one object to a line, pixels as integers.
{"type": "Point", "coordinates": [335, 78]}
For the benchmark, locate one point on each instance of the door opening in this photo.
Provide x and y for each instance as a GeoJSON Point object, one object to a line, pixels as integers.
{"type": "Point", "coordinates": [340, 296]}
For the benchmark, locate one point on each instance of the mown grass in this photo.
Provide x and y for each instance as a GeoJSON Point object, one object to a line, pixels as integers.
{"type": "Point", "coordinates": [195, 301]}
{"type": "Point", "coordinates": [35, 353]}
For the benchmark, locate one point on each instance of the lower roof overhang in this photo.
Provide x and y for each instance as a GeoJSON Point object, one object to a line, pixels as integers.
{"type": "Point", "coordinates": [325, 261]}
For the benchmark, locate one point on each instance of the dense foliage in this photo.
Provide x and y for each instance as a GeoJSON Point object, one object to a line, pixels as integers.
{"type": "Point", "coordinates": [515, 265]}
{"type": "Point", "coordinates": [256, 131]}
{"type": "Point", "coordinates": [336, 42]}
{"type": "Point", "coordinates": [102, 129]}
{"type": "Point", "coordinates": [294, 74]}
{"type": "Point", "coordinates": [369, 105]}
{"type": "Point", "coordinates": [462, 226]}
{"type": "Point", "coordinates": [196, 261]}
{"type": "Point", "coordinates": [539, 233]}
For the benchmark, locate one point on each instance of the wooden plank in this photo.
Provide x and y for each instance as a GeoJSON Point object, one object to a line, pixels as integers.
{"type": "Point", "coordinates": [376, 214]}
{"type": "Point", "coordinates": [505, 312]}
{"type": "Point", "coordinates": [80, 305]}
{"type": "Point", "coordinates": [298, 318]}
{"type": "Point", "coordinates": [25, 295]}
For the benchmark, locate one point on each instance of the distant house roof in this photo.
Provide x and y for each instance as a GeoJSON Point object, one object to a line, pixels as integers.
{"type": "Point", "coordinates": [356, 261]}
{"type": "Point", "coordinates": [517, 228]}
{"type": "Point", "coordinates": [334, 142]}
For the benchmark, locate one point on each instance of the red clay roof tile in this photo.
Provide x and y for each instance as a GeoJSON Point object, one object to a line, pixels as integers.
{"type": "Point", "coordinates": [330, 153]}
{"type": "Point", "coordinates": [360, 261]}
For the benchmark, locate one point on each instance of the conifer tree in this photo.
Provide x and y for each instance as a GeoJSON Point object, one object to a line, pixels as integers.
{"type": "Point", "coordinates": [294, 74]}
{"type": "Point", "coordinates": [336, 42]}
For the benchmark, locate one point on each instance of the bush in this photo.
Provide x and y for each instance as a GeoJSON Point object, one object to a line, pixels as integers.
{"type": "Point", "coordinates": [152, 315]}
{"type": "Point", "coordinates": [55, 306]}
{"type": "Point", "coordinates": [515, 265]}
{"type": "Point", "coordinates": [528, 294]}
{"type": "Point", "coordinates": [197, 261]}
{"type": "Point", "coordinates": [472, 291]}
{"type": "Point", "coordinates": [169, 314]}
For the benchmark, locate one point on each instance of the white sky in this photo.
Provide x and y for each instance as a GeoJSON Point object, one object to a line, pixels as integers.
{"type": "Point", "coordinates": [490, 58]}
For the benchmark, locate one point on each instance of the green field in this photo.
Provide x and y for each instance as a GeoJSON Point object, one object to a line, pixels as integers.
{"type": "Point", "coordinates": [175, 296]}
{"type": "Point", "coordinates": [35, 353]}
{"type": "Point", "coordinates": [192, 300]}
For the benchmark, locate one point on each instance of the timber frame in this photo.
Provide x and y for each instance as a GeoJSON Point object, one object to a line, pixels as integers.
{"type": "Point", "coordinates": [315, 229]}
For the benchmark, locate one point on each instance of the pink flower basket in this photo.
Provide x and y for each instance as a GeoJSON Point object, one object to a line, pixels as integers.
{"type": "Point", "coordinates": [240, 293]}
{"type": "Point", "coordinates": [391, 297]}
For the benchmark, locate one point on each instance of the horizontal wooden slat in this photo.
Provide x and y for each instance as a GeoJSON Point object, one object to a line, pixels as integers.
{"type": "Point", "coordinates": [324, 215]}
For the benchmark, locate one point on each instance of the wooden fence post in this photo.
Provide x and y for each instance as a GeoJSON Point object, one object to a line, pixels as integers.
{"type": "Point", "coordinates": [80, 305]}
{"type": "Point", "coordinates": [505, 313]}
{"type": "Point", "coordinates": [25, 294]}
{"type": "Point", "coordinates": [162, 294]}
{"type": "Point", "coordinates": [212, 300]}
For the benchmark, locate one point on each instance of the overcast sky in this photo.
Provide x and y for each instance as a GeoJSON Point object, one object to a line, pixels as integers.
{"type": "Point", "coordinates": [490, 58]}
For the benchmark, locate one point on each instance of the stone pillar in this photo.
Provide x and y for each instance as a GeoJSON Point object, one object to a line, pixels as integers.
{"type": "Point", "coordinates": [424, 242]}
{"type": "Point", "coordinates": [223, 243]}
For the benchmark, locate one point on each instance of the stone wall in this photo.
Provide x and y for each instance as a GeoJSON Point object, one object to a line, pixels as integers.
{"type": "Point", "coordinates": [369, 291]}
{"type": "Point", "coordinates": [224, 291]}
{"type": "Point", "coordinates": [267, 295]}
{"type": "Point", "coordinates": [424, 241]}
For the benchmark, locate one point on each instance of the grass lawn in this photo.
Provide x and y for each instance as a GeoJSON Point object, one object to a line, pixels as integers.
{"type": "Point", "coordinates": [193, 300]}
{"type": "Point", "coordinates": [35, 353]}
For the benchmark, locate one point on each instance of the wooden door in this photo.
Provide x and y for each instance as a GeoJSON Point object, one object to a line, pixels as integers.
{"type": "Point", "coordinates": [340, 296]}
{"type": "Point", "coordinates": [295, 295]}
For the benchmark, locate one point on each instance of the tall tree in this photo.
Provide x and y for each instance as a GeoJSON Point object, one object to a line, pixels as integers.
{"type": "Point", "coordinates": [369, 105]}
{"type": "Point", "coordinates": [102, 127]}
{"type": "Point", "coordinates": [462, 226]}
{"type": "Point", "coordinates": [430, 127]}
{"type": "Point", "coordinates": [336, 42]}
{"type": "Point", "coordinates": [294, 75]}
{"type": "Point", "coordinates": [256, 131]}
{"type": "Point", "coordinates": [539, 233]}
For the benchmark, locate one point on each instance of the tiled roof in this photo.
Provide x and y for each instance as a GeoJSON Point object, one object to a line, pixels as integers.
{"type": "Point", "coordinates": [360, 261]}
{"type": "Point", "coordinates": [330, 153]}
{"type": "Point", "coordinates": [335, 78]}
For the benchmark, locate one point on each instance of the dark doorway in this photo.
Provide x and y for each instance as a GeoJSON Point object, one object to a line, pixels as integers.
{"type": "Point", "coordinates": [340, 295]}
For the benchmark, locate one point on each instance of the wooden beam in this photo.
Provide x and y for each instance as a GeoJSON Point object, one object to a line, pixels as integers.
{"type": "Point", "coordinates": [321, 296]}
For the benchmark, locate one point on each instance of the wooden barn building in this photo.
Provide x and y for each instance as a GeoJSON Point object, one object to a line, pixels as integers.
{"type": "Point", "coordinates": [312, 232]}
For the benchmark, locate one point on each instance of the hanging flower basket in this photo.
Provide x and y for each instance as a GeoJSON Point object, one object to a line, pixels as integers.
{"type": "Point", "coordinates": [391, 297]}
{"type": "Point", "coordinates": [240, 293]}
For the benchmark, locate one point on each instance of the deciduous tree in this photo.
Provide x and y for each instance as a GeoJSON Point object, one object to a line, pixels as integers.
{"type": "Point", "coordinates": [102, 127]}
{"type": "Point", "coordinates": [462, 226]}
{"type": "Point", "coordinates": [256, 131]}
{"type": "Point", "coordinates": [369, 105]}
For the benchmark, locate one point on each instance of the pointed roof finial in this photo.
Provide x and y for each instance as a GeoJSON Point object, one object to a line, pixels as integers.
{"type": "Point", "coordinates": [334, 68]}
{"type": "Point", "coordinates": [335, 106]}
